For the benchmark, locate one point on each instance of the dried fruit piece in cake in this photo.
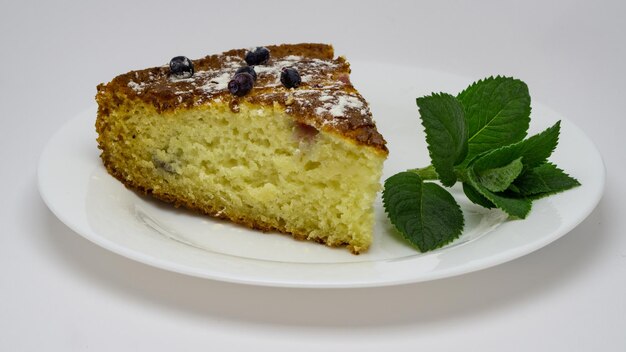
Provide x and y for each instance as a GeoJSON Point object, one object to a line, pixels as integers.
{"type": "Point", "coordinates": [305, 159]}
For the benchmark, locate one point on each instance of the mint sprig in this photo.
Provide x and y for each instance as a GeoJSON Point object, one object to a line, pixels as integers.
{"type": "Point", "coordinates": [476, 138]}
{"type": "Point", "coordinates": [497, 113]}
{"type": "Point", "coordinates": [446, 133]}
{"type": "Point", "coordinates": [425, 213]}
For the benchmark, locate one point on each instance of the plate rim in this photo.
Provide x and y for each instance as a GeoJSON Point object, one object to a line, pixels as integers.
{"type": "Point", "coordinates": [148, 259]}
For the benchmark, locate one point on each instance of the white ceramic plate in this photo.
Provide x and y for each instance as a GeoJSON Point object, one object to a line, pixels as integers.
{"type": "Point", "coordinates": [78, 190]}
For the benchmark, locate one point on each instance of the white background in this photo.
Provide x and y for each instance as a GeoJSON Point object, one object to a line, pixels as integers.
{"type": "Point", "coordinates": [59, 292]}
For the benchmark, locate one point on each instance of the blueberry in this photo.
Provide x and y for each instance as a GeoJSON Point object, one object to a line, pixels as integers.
{"type": "Point", "coordinates": [247, 69]}
{"type": "Point", "coordinates": [258, 56]}
{"type": "Point", "coordinates": [241, 84]}
{"type": "Point", "coordinates": [181, 67]}
{"type": "Point", "coordinates": [290, 77]}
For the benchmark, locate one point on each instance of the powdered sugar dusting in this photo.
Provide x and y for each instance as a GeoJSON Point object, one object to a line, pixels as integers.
{"type": "Point", "coordinates": [325, 96]}
{"type": "Point", "coordinates": [208, 82]}
{"type": "Point", "coordinates": [321, 110]}
{"type": "Point", "coordinates": [218, 83]}
{"type": "Point", "coordinates": [137, 87]}
{"type": "Point", "coordinates": [339, 104]}
{"type": "Point", "coordinates": [320, 93]}
{"type": "Point", "coordinates": [345, 102]}
{"type": "Point", "coordinates": [214, 81]}
{"type": "Point", "coordinates": [307, 68]}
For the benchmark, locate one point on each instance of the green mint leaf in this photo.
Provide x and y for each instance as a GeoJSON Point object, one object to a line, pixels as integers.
{"type": "Point", "coordinates": [424, 213]}
{"type": "Point", "coordinates": [446, 133]}
{"type": "Point", "coordinates": [534, 151]}
{"type": "Point", "coordinates": [500, 178]}
{"type": "Point", "coordinates": [497, 110]}
{"type": "Point", "coordinates": [544, 180]}
{"type": "Point", "coordinates": [514, 206]}
{"type": "Point", "coordinates": [477, 198]}
{"type": "Point", "coordinates": [477, 138]}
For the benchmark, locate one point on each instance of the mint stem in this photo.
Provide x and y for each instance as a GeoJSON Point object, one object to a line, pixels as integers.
{"type": "Point", "coordinates": [429, 173]}
{"type": "Point", "coordinates": [426, 173]}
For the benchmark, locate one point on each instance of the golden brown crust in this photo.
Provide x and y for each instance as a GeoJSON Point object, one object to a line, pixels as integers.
{"type": "Point", "coordinates": [325, 100]}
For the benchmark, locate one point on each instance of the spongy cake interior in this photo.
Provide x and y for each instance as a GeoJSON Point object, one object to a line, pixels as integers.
{"type": "Point", "coordinates": [255, 166]}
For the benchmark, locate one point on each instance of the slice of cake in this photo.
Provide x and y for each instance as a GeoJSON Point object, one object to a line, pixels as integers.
{"type": "Point", "coordinates": [274, 138]}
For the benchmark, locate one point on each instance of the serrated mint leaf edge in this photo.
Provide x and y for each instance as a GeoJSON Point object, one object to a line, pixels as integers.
{"type": "Point", "coordinates": [446, 134]}
{"type": "Point", "coordinates": [395, 191]}
{"type": "Point", "coordinates": [568, 182]}
{"type": "Point", "coordinates": [521, 119]}
{"type": "Point", "coordinates": [475, 197]}
{"type": "Point", "coordinates": [500, 178]}
{"type": "Point", "coordinates": [458, 218]}
{"type": "Point", "coordinates": [534, 150]}
{"type": "Point", "coordinates": [506, 203]}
